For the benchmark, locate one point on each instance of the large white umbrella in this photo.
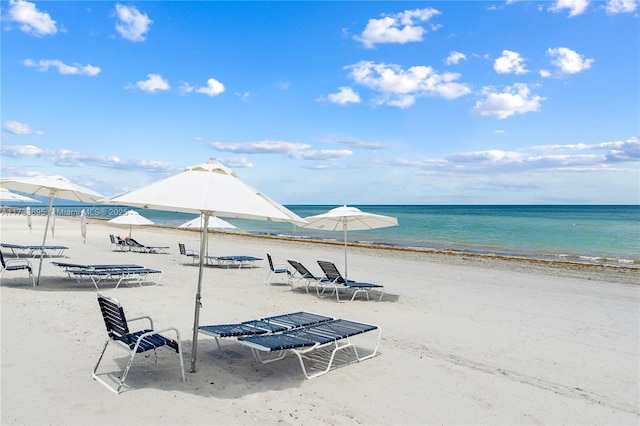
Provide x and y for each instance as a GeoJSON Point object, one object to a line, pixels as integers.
{"type": "Point", "coordinates": [348, 219]}
{"type": "Point", "coordinates": [210, 189]}
{"type": "Point", "coordinates": [53, 187]}
{"type": "Point", "coordinates": [214, 223]}
{"type": "Point", "coordinates": [131, 218]}
{"type": "Point", "coordinates": [8, 196]}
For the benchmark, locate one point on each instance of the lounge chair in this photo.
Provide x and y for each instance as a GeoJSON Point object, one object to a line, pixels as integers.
{"type": "Point", "coordinates": [302, 273]}
{"type": "Point", "coordinates": [14, 247]}
{"type": "Point", "coordinates": [273, 324]}
{"type": "Point", "coordinates": [308, 342]}
{"type": "Point", "coordinates": [141, 248]}
{"type": "Point", "coordinates": [338, 283]}
{"type": "Point", "coordinates": [132, 342]}
{"type": "Point", "coordinates": [44, 250]}
{"type": "Point", "coordinates": [275, 269]}
{"type": "Point", "coordinates": [186, 253]}
{"type": "Point", "coordinates": [235, 261]}
{"type": "Point", "coordinates": [117, 243]}
{"type": "Point", "coordinates": [127, 274]}
{"type": "Point", "coordinates": [17, 265]}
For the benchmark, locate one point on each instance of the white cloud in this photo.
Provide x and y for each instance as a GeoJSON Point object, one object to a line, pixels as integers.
{"type": "Point", "coordinates": [31, 20]}
{"type": "Point", "coordinates": [64, 69]}
{"type": "Point", "coordinates": [153, 83]}
{"type": "Point", "coordinates": [621, 6]}
{"type": "Point", "coordinates": [345, 95]}
{"type": "Point", "coordinates": [515, 99]}
{"type": "Point", "coordinates": [66, 158]}
{"type": "Point", "coordinates": [399, 28]}
{"type": "Point", "coordinates": [18, 128]}
{"type": "Point", "coordinates": [355, 143]}
{"type": "Point", "coordinates": [399, 87]}
{"type": "Point", "coordinates": [132, 24]}
{"type": "Point", "coordinates": [568, 61]}
{"type": "Point", "coordinates": [455, 58]}
{"type": "Point", "coordinates": [213, 88]}
{"type": "Point", "coordinates": [576, 7]}
{"type": "Point", "coordinates": [298, 151]}
{"type": "Point", "coordinates": [509, 63]}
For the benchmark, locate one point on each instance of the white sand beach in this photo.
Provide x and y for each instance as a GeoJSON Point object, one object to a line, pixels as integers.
{"type": "Point", "coordinates": [465, 340]}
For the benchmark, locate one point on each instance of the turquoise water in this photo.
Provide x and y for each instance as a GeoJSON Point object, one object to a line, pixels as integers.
{"type": "Point", "coordinates": [593, 234]}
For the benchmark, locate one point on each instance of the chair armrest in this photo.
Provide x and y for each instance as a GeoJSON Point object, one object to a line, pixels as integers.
{"type": "Point", "coordinates": [10, 262]}
{"type": "Point", "coordinates": [129, 320]}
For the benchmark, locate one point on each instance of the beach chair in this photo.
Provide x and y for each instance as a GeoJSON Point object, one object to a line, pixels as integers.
{"type": "Point", "coordinates": [117, 243]}
{"type": "Point", "coordinates": [45, 251]}
{"type": "Point", "coordinates": [337, 282]}
{"type": "Point", "coordinates": [132, 342]}
{"type": "Point", "coordinates": [275, 269]}
{"type": "Point", "coordinates": [17, 265]}
{"type": "Point", "coordinates": [267, 325]}
{"type": "Point", "coordinates": [126, 274]}
{"type": "Point", "coordinates": [235, 261]}
{"type": "Point", "coordinates": [308, 343]}
{"type": "Point", "coordinates": [141, 248]}
{"type": "Point", "coordinates": [300, 272]}
{"type": "Point", "coordinates": [186, 253]}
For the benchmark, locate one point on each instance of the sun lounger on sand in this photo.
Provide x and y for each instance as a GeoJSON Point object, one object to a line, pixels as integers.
{"type": "Point", "coordinates": [307, 343]}
{"type": "Point", "coordinates": [141, 248]}
{"type": "Point", "coordinates": [235, 261]}
{"type": "Point", "coordinates": [136, 275]}
{"type": "Point", "coordinates": [35, 250]}
{"type": "Point", "coordinates": [273, 324]}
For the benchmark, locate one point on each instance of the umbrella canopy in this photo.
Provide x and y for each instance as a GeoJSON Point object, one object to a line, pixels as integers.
{"type": "Point", "coordinates": [8, 196]}
{"type": "Point", "coordinates": [131, 217]}
{"type": "Point", "coordinates": [214, 223]}
{"type": "Point", "coordinates": [348, 219]}
{"type": "Point", "coordinates": [210, 189]}
{"type": "Point", "coordinates": [53, 187]}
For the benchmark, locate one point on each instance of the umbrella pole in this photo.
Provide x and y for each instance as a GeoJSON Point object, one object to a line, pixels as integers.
{"type": "Point", "coordinates": [44, 239]}
{"type": "Point", "coordinates": [196, 316]}
{"type": "Point", "coordinates": [346, 271]}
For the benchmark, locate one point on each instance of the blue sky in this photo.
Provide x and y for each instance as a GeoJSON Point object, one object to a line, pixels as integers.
{"type": "Point", "coordinates": [477, 102]}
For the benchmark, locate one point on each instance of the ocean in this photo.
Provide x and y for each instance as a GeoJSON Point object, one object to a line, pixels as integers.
{"type": "Point", "coordinates": [601, 234]}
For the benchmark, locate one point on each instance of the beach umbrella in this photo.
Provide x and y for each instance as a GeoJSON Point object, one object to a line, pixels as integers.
{"type": "Point", "coordinates": [28, 212]}
{"type": "Point", "coordinates": [53, 187]}
{"type": "Point", "coordinates": [214, 223]}
{"type": "Point", "coordinates": [12, 197]}
{"type": "Point", "coordinates": [348, 219]}
{"type": "Point", "coordinates": [210, 189]}
{"type": "Point", "coordinates": [83, 225]}
{"type": "Point", "coordinates": [131, 218]}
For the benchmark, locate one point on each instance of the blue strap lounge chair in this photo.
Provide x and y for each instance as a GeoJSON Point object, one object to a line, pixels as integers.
{"type": "Point", "coordinates": [304, 341]}
{"type": "Point", "coordinates": [338, 283]}
{"type": "Point", "coordinates": [141, 248]}
{"type": "Point", "coordinates": [186, 253]}
{"type": "Point", "coordinates": [136, 275]}
{"type": "Point", "coordinates": [17, 265]}
{"type": "Point", "coordinates": [235, 261]}
{"type": "Point", "coordinates": [275, 269]}
{"type": "Point", "coordinates": [133, 342]}
{"type": "Point", "coordinates": [267, 325]}
{"type": "Point", "coordinates": [301, 273]}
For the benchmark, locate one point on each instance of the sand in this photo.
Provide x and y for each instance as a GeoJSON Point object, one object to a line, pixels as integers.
{"type": "Point", "coordinates": [465, 339]}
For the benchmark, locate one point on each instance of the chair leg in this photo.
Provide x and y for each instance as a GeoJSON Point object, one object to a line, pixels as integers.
{"type": "Point", "coordinates": [126, 370]}
{"type": "Point", "coordinates": [94, 373]}
{"type": "Point", "coordinates": [269, 276]}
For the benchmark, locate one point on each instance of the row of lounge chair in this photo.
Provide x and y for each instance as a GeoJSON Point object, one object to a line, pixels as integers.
{"type": "Point", "coordinates": [332, 279]}
{"type": "Point", "coordinates": [300, 333]}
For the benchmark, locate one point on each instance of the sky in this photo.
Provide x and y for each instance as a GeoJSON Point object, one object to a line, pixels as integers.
{"type": "Point", "coordinates": [332, 102]}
